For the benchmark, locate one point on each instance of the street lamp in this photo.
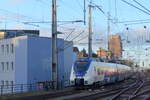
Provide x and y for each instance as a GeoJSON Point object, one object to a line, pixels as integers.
{"type": "Point", "coordinates": [147, 40]}
{"type": "Point", "coordinates": [127, 35]}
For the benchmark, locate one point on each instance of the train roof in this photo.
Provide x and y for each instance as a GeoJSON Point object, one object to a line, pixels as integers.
{"type": "Point", "coordinates": [97, 61]}
{"type": "Point", "coordinates": [112, 65]}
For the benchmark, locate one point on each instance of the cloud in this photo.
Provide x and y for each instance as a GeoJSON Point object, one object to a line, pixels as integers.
{"type": "Point", "coordinates": [18, 26]}
{"type": "Point", "coordinates": [45, 32]}
{"type": "Point", "coordinates": [16, 2]}
{"type": "Point", "coordinates": [11, 16]}
{"type": "Point", "coordinates": [136, 36]}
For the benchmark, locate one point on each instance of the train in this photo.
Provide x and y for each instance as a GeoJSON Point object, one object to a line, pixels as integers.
{"type": "Point", "coordinates": [92, 72]}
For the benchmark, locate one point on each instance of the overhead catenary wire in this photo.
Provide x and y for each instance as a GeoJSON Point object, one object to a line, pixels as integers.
{"type": "Point", "coordinates": [74, 37]}
{"type": "Point", "coordinates": [70, 44]}
{"type": "Point", "coordinates": [137, 23]}
{"type": "Point", "coordinates": [80, 4]}
{"type": "Point", "coordinates": [33, 23]}
{"type": "Point", "coordinates": [135, 7]}
{"type": "Point", "coordinates": [131, 21]}
{"type": "Point", "coordinates": [141, 5]}
{"type": "Point", "coordinates": [77, 35]}
{"type": "Point", "coordinates": [115, 8]}
{"type": "Point", "coordinates": [97, 6]}
{"type": "Point", "coordinates": [103, 12]}
{"type": "Point", "coordinates": [69, 34]}
{"type": "Point", "coordinates": [49, 22]}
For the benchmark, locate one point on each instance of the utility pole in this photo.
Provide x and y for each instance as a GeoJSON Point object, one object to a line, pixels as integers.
{"type": "Point", "coordinates": [90, 31]}
{"type": "Point", "coordinates": [108, 28]}
{"type": "Point", "coordinates": [54, 46]}
{"type": "Point", "coordinates": [84, 12]}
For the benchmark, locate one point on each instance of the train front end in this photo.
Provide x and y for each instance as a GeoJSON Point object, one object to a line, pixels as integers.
{"type": "Point", "coordinates": [79, 71]}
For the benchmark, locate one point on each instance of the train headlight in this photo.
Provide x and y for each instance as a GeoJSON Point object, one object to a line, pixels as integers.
{"type": "Point", "coordinates": [72, 82]}
{"type": "Point", "coordinates": [85, 82]}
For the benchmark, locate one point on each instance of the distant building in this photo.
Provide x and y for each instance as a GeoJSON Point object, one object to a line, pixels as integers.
{"type": "Point", "coordinates": [82, 54]}
{"type": "Point", "coordinates": [115, 45]}
{"type": "Point", "coordinates": [76, 53]}
{"type": "Point", "coordinates": [27, 60]}
{"type": "Point", "coordinates": [102, 53]}
{"type": "Point", "coordinates": [140, 54]}
{"type": "Point", "coordinates": [76, 50]}
{"type": "Point", "coordinates": [4, 34]}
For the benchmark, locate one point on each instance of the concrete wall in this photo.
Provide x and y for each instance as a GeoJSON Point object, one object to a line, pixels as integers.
{"type": "Point", "coordinates": [60, 46]}
{"type": "Point", "coordinates": [39, 59]}
{"type": "Point", "coordinates": [20, 49]}
{"type": "Point", "coordinates": [68, 59]}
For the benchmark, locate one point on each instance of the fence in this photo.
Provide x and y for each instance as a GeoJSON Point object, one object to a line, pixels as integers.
{"type": "Point", "coordinates": [39, 86]}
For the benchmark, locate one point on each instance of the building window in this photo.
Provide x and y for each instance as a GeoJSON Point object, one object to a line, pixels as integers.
{"type": "Point", "coordinates": [7, 84]}
{"type": "Point", "coordinates": [7, 64]}
{"type": "Point", "coordinates": [12, 48]}
{"type": "Point", "coordinates": [2, 64]}
{"type": "Point", "coordinates": [12, 65]}
{"type": "Point", "coordinates": [2, 82]}
{"type": "Point", "coordinates": [7, 48]}
{"type": "Point", "coordinates": [2, 49]}
{"type": "Point", "coordinates": [12, 83]}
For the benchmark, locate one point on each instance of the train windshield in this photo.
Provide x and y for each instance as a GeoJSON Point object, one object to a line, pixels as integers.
{"type": "Point", "coordinates": [81, 66]}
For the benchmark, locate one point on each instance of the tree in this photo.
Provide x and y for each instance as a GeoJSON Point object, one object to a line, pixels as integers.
{"type": "Point", "coordinates": [94, 55]}
{"type": "Point", "coordinates": [84, 53]}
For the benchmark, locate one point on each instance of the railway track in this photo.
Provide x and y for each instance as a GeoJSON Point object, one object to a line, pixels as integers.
{"type": "Point", "coordinates": [134, 92]}
{"type": "Point", "coordinates": [47, 95]}
{"type": "Point", "coordinates": [102, 94]}
{"type": "Point", "coordinates": [143, 93]}
{"type": "Point", "coordinates": [128, 92]}
{"type": "Point", "coordinates": [96, 94]}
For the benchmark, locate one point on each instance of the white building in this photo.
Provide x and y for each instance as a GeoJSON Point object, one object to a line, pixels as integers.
{"type": "Point", "coordinates": [27, 60]}
{"type": "Point", "coordinates": [140, 54]}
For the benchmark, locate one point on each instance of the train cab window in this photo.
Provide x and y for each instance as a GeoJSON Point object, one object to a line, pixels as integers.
{"type": "Point", "coordinates": [81, 66]}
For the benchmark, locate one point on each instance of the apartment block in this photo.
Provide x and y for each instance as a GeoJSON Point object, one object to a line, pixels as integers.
{"type": "Point", "coordinates": [27, 60]}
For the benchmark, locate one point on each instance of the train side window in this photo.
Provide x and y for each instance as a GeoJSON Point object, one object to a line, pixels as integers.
{"type": "Point", "coordinates": [98, 72]}
{"type": "Point", "coordinates": [102, 72]}
{"type": "Point", "coordinates": [95, 69]}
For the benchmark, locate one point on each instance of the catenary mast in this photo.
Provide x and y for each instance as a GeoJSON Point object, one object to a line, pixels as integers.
{"type": "Point", "coordinates": [90, 31]}
{"type": "Point", "coordinates": [108, 28]}
{"type": "Point", "coordinates": [54, 46]}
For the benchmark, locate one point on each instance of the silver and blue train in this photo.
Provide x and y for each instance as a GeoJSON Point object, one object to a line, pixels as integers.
{"type": "Point", "coordinates": [88, 72]}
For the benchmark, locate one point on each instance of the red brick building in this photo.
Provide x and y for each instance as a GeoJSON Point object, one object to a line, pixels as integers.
{"type": "Point", "coordinates": [115, 45]}
{"type": "Point", "coordinates": [102, 53]}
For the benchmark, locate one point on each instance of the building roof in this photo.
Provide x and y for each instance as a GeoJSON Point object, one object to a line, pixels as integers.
{"type": "Point", "coordinates": [25, 31]}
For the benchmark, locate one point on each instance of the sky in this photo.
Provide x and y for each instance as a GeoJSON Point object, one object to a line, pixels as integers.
{"type": "Point", "coordinates": [14, 14]}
